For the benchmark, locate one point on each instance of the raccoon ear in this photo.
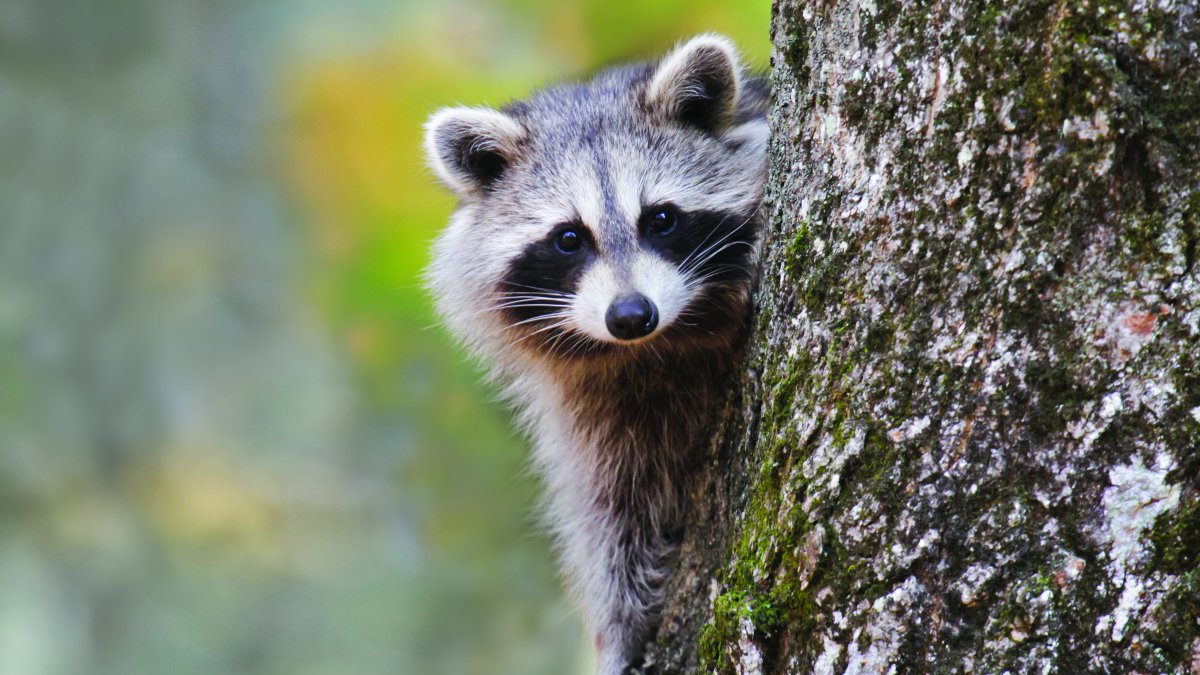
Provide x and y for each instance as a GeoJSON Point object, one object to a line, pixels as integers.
{"type": "Point", "coordinates": [697, 84]}
{"type": "Point", "coordinates": [469, 148]}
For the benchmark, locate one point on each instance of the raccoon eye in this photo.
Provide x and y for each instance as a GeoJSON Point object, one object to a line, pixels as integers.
{"type": "Point", "coordinates": [568, 241]}
{"type": "Point", "coordinates": [661, 220]}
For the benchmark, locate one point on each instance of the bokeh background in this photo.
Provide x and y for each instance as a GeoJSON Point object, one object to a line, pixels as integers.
{"type": "Point", "coordinates": [232, 437]}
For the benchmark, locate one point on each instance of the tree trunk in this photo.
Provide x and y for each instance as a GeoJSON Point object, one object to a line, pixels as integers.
{"type": "Point", "coordinates": [968, 432]}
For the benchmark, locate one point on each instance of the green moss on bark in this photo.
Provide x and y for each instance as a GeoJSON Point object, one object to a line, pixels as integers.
{"type": "Point", "coordinates": [978, 316]}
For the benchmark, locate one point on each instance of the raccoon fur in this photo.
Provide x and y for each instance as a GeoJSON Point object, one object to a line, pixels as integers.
{"type": "Point", "coordinates": [601, 262]}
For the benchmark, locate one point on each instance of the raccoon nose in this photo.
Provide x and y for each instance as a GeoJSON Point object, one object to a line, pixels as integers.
{"type": "Point", "coordinates": [631, 317]}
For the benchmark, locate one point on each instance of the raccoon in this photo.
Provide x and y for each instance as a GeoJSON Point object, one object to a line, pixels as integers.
{"type": "Point", "coordinates": [601, 262]}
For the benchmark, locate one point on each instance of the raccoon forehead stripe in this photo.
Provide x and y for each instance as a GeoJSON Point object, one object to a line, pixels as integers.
{"type": "Point", "coordinates": [585, 195]}
{"type": "Point", "coordinates": [601, 193]}
{"type": "Point", "coordinates": [608, 197]}
{"type": "Point", "coordinates": [617, 239]}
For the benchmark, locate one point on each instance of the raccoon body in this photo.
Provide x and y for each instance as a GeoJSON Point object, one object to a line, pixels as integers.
{"type": "Point", "coordinates": [601, 263]}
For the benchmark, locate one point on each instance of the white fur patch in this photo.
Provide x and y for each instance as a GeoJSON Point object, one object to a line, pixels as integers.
{"type": "Point", "coordinates": [489, 130]}
{"type": "Point", "coordinates": [674, 74]}
{"type": "Point", "coordinates": [660, 281]}
{"type": "Point", "coordinates": [649, 275]}
{"type": "Point", "coordinates": [752, 135]}
{"type": "Point", "coordinates": [597, 290]}
{"type": "Point", "coordinates": [627, 176]}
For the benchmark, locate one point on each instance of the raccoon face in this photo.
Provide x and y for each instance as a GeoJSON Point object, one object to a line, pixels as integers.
{"type": "Point", "coordinates": [663, 270]}
{"type": "Point", "coordinates": [604, 216]}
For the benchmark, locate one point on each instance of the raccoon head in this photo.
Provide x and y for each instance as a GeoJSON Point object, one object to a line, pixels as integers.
{"type": "Point", "coordinates": [605, 217]}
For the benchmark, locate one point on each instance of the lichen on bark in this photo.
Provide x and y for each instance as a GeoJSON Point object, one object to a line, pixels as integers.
{"type": "Point", "coordinates": [968, 433]}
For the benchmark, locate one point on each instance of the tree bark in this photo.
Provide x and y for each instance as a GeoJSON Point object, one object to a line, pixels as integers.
{"type": "Point", "coordinates": [967, 437]}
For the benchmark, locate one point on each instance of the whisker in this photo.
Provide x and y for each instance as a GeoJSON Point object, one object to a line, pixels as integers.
{"type": "Point", "coordinates": [717, 252]}
{"type": "Point", "coordinates": [583, 345]}
{"type": "Point", "coordinates": [536, 288]}
{"type": "Point", "coordinates": [696, 282]}
{"type": "Point", "coordinates": [557, 324]}
{"type": "Point", "coordinates": [716, 228]}
{"type": "Point", "coordinates": [696, 259]}
{"type": "Point", "coordinates": [577, 347]}
{"type": "Point", "coordinates": [544, 317]}
{"type": "Point", "coordinates": [558, 344]}
{"type": "Point", "coordinates": [510, 305]}
{"type": "Point", "coordinates": [707, 254]}
{"type": "Point", "coordinates": [516, 297]}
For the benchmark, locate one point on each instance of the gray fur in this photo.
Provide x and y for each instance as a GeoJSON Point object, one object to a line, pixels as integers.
{"type": "Point", "coordinates": [616, 424]}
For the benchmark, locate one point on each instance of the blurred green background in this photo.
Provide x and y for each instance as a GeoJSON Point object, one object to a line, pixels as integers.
{"type": "Point", "coordinates": [232, 438]}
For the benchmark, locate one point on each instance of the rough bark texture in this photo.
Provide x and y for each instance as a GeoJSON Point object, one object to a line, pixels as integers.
{"type": "Point", "coordinates": [968, 436]}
